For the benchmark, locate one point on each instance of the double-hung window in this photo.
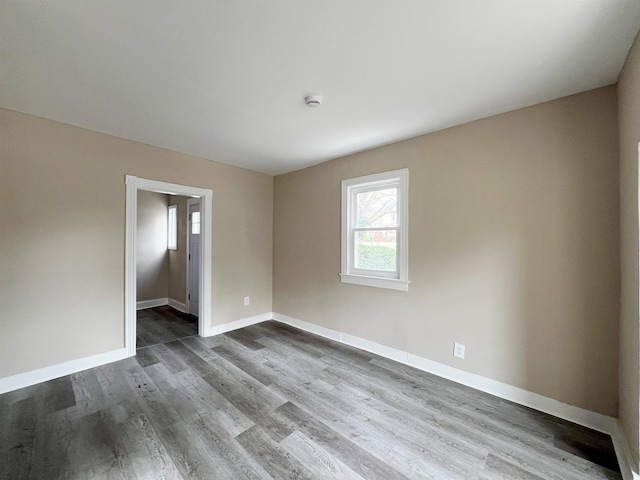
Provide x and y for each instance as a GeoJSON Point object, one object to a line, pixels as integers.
{"type": "Point", "coordinates": [374, 230]}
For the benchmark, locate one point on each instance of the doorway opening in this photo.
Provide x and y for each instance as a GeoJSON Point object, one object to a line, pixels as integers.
{"type": "Point", "coordinates": [201, 249]}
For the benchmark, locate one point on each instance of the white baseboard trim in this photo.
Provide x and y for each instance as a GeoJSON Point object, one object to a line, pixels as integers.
{"type": "Point", "coordinates": [154, 302]}
{"type": "Point", "coordinates": [181, 307]}
{"type": "Point", "coordinates": [21, 380]}
{"type": "Point", "coordinates": [309, 327]}
{"type": "Point", "coordinates": [244, 322]}
{"type": "Point", "coordinates": [623, 452]}
{"type": "Point", "coordinates": [587, 418]}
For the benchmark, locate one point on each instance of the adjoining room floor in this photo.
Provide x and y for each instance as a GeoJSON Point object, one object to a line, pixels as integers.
{"type": "Point", "coordinates": [270, 401]}
{"type": "Point", "coordinates": [162, 325]}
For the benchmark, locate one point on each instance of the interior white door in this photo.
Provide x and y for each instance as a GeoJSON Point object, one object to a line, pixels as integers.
{"type": "Point", "coordinates": [193, 296]}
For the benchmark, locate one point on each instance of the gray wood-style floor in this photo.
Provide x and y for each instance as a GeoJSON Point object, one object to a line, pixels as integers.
{"type": "Point", "coordinates": [270, 401]}
{"type": "Point", "coordinates": [162, 325]}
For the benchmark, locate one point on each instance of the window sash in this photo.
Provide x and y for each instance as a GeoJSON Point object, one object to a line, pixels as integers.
{"type": "Point", "coordinates": [356, 192]}
{"type": "Point", "coordinates": [353, 228]}
{"type": "Point", "coordinates": [373, 272]}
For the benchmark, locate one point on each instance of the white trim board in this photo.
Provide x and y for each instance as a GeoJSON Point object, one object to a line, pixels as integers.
{"type": "Point", "coordinates": [244, 322]}
{"type": "Point", "coordinates": [160, 302]}
{"type": "Point", "coordinates": [625, 459]}
{"type": "Point", "coordinates": [181, 307]}
{"type": "Point", "coordinates": [154, 302]}
{"type": "Point", "coordinates": [21, 380]}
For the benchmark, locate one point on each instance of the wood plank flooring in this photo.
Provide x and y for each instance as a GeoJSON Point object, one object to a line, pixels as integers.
{"type": "Point", "coordinates": [162, 325]}
{"type": "Point", "coordinates": [273, 402]}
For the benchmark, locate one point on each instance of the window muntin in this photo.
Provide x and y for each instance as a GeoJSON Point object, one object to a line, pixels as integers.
{"type": "Point", "coordinates": [374, 230]}
{"type": "Point", "coordinates": [172, 227]}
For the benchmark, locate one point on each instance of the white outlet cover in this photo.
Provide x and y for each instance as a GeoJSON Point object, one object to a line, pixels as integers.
{"type": "Point", "coordinates": [246, 300]}
{"type": "Point", "coordinates": [458, 350]}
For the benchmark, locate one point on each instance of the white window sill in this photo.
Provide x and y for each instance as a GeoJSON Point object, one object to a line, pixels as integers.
{"type": "Point", "coordinates": [379, 282]}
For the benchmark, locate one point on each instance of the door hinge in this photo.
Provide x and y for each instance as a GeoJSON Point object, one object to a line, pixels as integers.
{"type": "Point", "coordinates": [189, 297]}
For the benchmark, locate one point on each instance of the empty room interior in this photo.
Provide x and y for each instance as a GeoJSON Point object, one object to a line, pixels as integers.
{"type": "Point", "coordinates": [313, 240]}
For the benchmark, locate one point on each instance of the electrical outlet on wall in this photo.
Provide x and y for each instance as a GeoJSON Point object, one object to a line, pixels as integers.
{"type": "Point", "coordinates": [458, 350]}
{"type": "Point", "coordinates": [246, 301]}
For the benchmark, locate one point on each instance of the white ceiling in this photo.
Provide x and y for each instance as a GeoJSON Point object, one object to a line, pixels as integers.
{"type": "Point", "coordinates": [225, 80]}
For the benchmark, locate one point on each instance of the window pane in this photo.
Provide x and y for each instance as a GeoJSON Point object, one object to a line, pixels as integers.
{"type": "Point", "coordinates": [376, 250]}
{"type": "Point", "coordinates": [195, 223]}
{"type": "Point", "coordinates": [172, 228]}
{"type": "Point", "coordinates": [377, 208]}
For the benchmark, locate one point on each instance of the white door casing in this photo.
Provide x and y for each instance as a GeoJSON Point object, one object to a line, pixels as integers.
{"type": "Point", "coordinates": [133, 184]}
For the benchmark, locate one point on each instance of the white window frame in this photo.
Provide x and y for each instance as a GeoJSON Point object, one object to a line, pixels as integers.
{"type": "Point", "coordinates": [398, 280]}
{"type": "Point", "coordinates": [172, 227]}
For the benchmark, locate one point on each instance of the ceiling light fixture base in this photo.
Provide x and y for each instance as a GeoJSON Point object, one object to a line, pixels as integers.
{"type": "Point", "coordinates": [313, 100]}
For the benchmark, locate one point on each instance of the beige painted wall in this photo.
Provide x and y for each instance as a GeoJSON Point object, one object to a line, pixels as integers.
{"type": "Point", "coordinates": [178, 257]}
{"type": "Point", "coordinates": [513, 249]}
{"type": "Point", "coordinates": [152, 260]}
{"type": "Point", "coordinates": [62, 212]}
{"type": "Point", "coordinates": [629, 126]}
